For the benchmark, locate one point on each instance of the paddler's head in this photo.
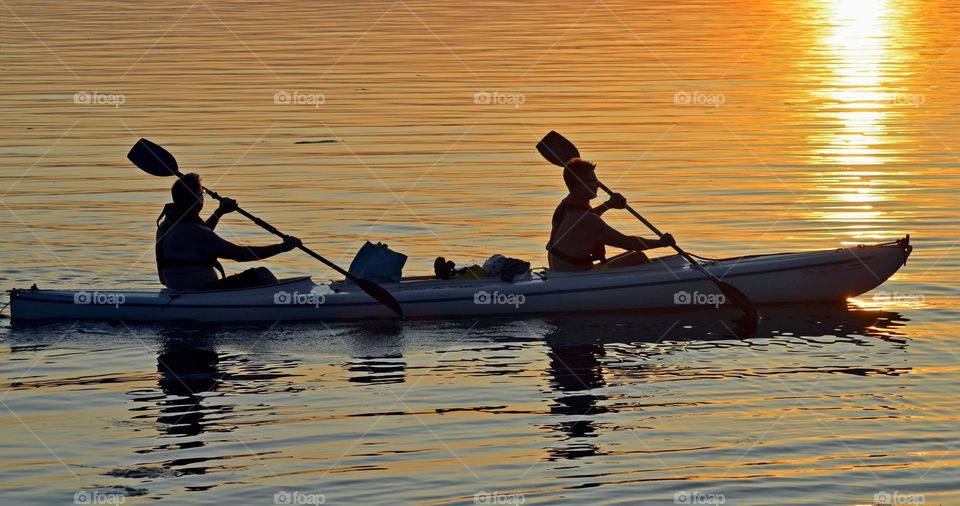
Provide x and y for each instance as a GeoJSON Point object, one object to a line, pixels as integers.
{"type": "Point", "coordinates": [581, 178]}
{"type": "Point", "coordinates": [187, 195]}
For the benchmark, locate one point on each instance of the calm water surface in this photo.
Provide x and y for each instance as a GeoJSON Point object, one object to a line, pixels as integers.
{"type": "Point", "coordinates": [741, 127]}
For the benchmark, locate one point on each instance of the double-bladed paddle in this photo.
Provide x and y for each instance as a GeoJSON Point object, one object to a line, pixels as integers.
{"type": "Point", "coordinates": [558, 151]}
{"type": "Point", "coordinates": [155, 160]}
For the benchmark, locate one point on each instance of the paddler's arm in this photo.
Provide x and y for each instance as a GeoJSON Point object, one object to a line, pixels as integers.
{"type": "Point", "coordinates": [216, 246]}
{"type": "Point", "coordinates": [610, 237]}
{"type": "Point", "coordinates": [616, 201]}
{"type": "Point", "coordinates": [227, 205]}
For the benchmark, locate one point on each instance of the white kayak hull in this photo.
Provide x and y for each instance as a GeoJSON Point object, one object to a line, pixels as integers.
{"type": "Point", "coordinates": [828, 275]}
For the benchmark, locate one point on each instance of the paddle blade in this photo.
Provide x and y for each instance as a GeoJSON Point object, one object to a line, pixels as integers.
{"type": "Point", "coordinates": [557, 149]}
{"type": "Point", "coordinates": [738, 299]}
{"type": "Point", "coordinates": [380, 294]}
{"type": "Point", "coordinates": [153, 159]}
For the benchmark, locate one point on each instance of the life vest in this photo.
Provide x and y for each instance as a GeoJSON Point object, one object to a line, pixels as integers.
{"type": "Point", "coordinates": [597, 250]}
{"type": "Point", "coordinates": [169, 215]}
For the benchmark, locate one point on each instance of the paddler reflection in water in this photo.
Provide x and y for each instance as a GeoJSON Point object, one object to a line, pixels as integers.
{"type": "Point", "coordinates": [579, 235]}
{"type": "Point", "coordinates": [188, 249]}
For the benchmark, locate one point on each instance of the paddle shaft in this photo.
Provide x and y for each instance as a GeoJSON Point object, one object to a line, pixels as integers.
{"type": "Point", "coordinates": [684, 254]}
{"type": "Point", "coordinates": [372, 289]}
{"type": "Point", "coordinates": [273, 230]}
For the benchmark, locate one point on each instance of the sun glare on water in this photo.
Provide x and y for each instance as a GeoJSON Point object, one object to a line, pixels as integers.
{"type": "Point", "coordinates": [859, 98]}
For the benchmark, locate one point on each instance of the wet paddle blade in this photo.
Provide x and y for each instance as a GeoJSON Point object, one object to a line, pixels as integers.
{"type": "Point", "coordinates": [153, 159]}
{"type": "Point", "coordinates": [380, 294]}
{"type": "Point", "coordinates": [557, 149]}
{"type": "Point", "coordinates": [745, 327]}
{"type": "Point", "coordinates": [738, 299]}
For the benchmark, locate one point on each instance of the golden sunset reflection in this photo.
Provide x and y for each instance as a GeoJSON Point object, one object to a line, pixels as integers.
{"type": "Point", "coordinates": [855, 110]}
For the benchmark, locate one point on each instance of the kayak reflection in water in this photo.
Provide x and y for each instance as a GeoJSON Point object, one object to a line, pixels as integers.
{"type": "Point", "coordinates": [579, 235]}
{"type": "Point", "coordinates": [188, 249]}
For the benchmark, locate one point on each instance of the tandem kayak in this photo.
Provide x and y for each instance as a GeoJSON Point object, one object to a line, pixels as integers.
{"type": "Point", "coordinates": [667, 282]}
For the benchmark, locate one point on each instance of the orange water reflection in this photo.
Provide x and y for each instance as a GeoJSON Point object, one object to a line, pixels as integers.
{"type": "Point", "coordinates": [858, 100]}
